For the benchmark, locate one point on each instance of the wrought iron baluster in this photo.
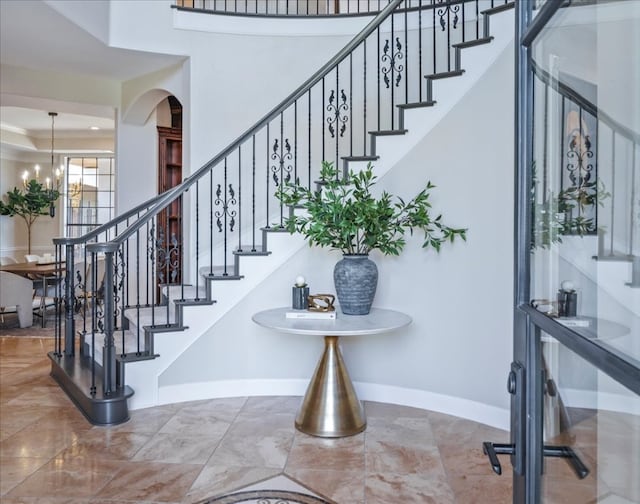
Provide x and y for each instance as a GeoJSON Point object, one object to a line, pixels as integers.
{"type": "Point", "coordinates": [563, 127]}
{"type": "Point", "coordinates": [225, 217]}
{"type": "Point", "coordinates": [240, 198]}
{"type": "Point", "coordinates": [378, 73]}
{"type": "Point", "coordinates": [323, 118]}
{"type": "Point", "coordinates": [138, 289]}
{"type": "Point", "coordinates": [253, 193]}
{"type": "Point", "coordinates": [613, 190]}
{"type": "Point", "coordinates": [154, 268]}
{"type": "Point", "coordinates": [477, 19]}
{"type": "Point", "coordinates": [433, 32]}
{"type": "Point", "coordinates": [635, 216]}
{"type": "Point", "coordinates": [210, 222]}
{"type": "Point", "coordinates": [462, 21]}
{"type": "Point", "coordinates": [350, 104]}
{"type": "Point", "coordinates": [419, 51]}
{"type": "Point", "coordinates": [121, 289]}
{"type": "Point", "coordinates": [364, 94]}
{"type": "Point", "coordinates": [280, 171]}
{"type": "Point", "coordinates": [309, 140]}
{"type": "Point", "coordinates": [295, 141]}
{"type": "Point", "coordinates": [406, 64]}
{"type": "Point", "coordinates": [268, 226]}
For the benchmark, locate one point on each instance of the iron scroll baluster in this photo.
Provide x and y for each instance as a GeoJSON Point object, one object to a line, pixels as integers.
{"type": "Point", "coordinates": [339, 112]}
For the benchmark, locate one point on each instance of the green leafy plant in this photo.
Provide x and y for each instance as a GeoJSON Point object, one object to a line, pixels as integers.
{"type": "Point", "coordinates": [553, 217]}
{"type": "Point", "coordinates": [29, 203]}
{"type": "Point", "coordinates": [344, 215]}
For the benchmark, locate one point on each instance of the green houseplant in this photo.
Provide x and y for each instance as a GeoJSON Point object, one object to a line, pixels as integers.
{"type": "Point", "coordinates": [346, 216]}
{"type": "Point", "coordinates": [29, 203]}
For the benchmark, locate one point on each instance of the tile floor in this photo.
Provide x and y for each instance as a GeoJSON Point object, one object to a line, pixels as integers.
{"type": "Point", "coordinates": [184, 453]}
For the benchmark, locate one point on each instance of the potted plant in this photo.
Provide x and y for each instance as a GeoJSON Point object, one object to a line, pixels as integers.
{"type": "Point", "coordinates": [346, 216]}
{"type": "Point", "coordinates": [32, 202]}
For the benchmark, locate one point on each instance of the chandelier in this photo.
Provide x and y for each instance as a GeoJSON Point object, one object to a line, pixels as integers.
{"type": "Point", "coordinates": [51, 188]}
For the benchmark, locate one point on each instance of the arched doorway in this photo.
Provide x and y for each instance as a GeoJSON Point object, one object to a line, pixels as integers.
{"type": "Point", "coordinates": [169, 234]}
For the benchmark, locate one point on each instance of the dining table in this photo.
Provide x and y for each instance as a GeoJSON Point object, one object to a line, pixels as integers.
{"type": "Point", "coordinates": [38, 270]}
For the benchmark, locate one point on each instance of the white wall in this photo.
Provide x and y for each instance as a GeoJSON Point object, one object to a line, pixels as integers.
{"type": "Point", "coordinates": [460, 343]}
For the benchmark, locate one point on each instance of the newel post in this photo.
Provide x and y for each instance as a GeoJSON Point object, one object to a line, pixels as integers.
{"type": "Point", "coordinates": [109, 349]}
{"type": "Point", "coordinates": [69, 303]}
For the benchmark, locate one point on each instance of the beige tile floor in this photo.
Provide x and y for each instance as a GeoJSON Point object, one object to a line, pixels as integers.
{"type": "Point", "coordinates": [183, 453]}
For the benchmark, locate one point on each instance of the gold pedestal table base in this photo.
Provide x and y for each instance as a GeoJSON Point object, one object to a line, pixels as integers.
{"type": "Point", "coordinates": [330, 407]}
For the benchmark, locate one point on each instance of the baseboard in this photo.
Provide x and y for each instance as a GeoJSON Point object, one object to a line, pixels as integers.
{"type": "Point", "coordinates": [606, 401]}
{"type": "Point", "coordinates": [450, 405]}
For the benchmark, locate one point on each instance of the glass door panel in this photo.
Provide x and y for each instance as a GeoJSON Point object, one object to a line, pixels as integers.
{"type": "Point", "coordinates": [595, 418]}
{"type": "Point", "coordinates": [575, 380]}
{"type": "Point", "coordinates": [585, 243]}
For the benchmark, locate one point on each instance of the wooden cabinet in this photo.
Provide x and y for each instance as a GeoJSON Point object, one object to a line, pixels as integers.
{"type": "Point", "coordinates": [169, 232]}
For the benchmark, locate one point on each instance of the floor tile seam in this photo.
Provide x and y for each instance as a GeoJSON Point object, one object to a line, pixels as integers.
{"type": "Point", "coordinates": [117, 473]}
{"type": "Point", "coordinates": [213, 451]}
{"type": "Point", "coordinates": [448, 474]}
{"type": "Point", "coordinates": [24, 479]}
{"type": "Point", "coordinates": [239, 488]}
{"type": "Point", "coordinates": [309, 487]}
{"type": "Point", "coordinates": [290, 449]}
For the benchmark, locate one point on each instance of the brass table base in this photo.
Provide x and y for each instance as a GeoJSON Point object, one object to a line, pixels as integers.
{"type": "Point", "coordinates": [331, 407]}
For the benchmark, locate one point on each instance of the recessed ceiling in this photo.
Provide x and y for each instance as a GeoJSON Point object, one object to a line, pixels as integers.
{"type": "Point", "coordinates": [37, 123]}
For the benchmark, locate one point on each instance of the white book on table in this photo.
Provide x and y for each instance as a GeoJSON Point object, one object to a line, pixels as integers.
{"type": "Point", "coordinates": [310, 315]}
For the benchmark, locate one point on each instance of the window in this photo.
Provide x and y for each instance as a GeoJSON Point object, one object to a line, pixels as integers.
{"type": "Point", "coordinates": [90, 188]}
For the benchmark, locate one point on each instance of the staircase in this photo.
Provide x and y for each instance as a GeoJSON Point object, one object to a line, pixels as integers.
{"type": "Point", "coordinates": [161, 292]}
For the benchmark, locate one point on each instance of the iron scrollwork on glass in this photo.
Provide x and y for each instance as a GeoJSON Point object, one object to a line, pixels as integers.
{"type": "Point", "coordinates": [392, 58]}
{"type": "Point", "coordinates": [339, 112]}
{"type": "Point", "coordinates": [226, 212]}
{"type": "Point", "coordinates": [583, 193]}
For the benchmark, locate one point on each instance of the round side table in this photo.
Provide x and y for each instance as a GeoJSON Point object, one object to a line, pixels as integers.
{"type": "Point", "coordinates": [330, 407]}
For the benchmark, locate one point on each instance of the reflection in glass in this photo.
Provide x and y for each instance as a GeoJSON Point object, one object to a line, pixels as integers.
{"type": "Point", "coordinates": [585, 236]}
{"type": "Point", "coordinates": [599, 420]}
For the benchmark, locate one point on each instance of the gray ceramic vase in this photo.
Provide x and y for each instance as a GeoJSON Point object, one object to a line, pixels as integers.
{"type": "Point", "coordinates": [355, 278]}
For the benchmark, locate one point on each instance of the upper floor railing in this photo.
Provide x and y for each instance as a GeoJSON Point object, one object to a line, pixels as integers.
{"type": "Point", "coordinates": [304, 8]}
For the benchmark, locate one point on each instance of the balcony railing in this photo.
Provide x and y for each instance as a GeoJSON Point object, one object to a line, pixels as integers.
{"type": "Point", "coordinates": [305, 8]}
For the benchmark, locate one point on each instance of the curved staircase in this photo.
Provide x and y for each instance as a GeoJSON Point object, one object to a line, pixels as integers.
{"type": "Point", "coordinates": [127, 341]}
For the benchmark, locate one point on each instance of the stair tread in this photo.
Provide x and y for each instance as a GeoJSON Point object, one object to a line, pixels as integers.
{"type": "Point", "coordinates": [429, 103]}
{"type": "Point", "coordinates": [274, 229]}
{"type": "Point", "coordinates": [360, 158]}
{"type": "Point", "coordinates": [444, 75]}
{"type": "Point", "coordinates": [247, 251]}
{"type": "Point", "coordinates": [389, 132]}
{"type": "Point", "coordinates": [218, 272]}
{"type": "Point", "coordinates": [614, 258]}
{"type": "Point", "coordinates": [473, 43]}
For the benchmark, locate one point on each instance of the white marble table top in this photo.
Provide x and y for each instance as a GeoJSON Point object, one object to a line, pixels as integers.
{"type": "Point", "coordinates": [378, 321]}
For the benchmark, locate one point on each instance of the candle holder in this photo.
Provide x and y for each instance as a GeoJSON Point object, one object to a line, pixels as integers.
{"type": "Point", "coordinates": [299, 294]}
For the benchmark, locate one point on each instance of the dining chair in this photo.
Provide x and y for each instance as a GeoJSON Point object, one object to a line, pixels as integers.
{"type": "Point", "coordinates": [15, 297]}
{"type": "Point", "coordinates": [4, 260]}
